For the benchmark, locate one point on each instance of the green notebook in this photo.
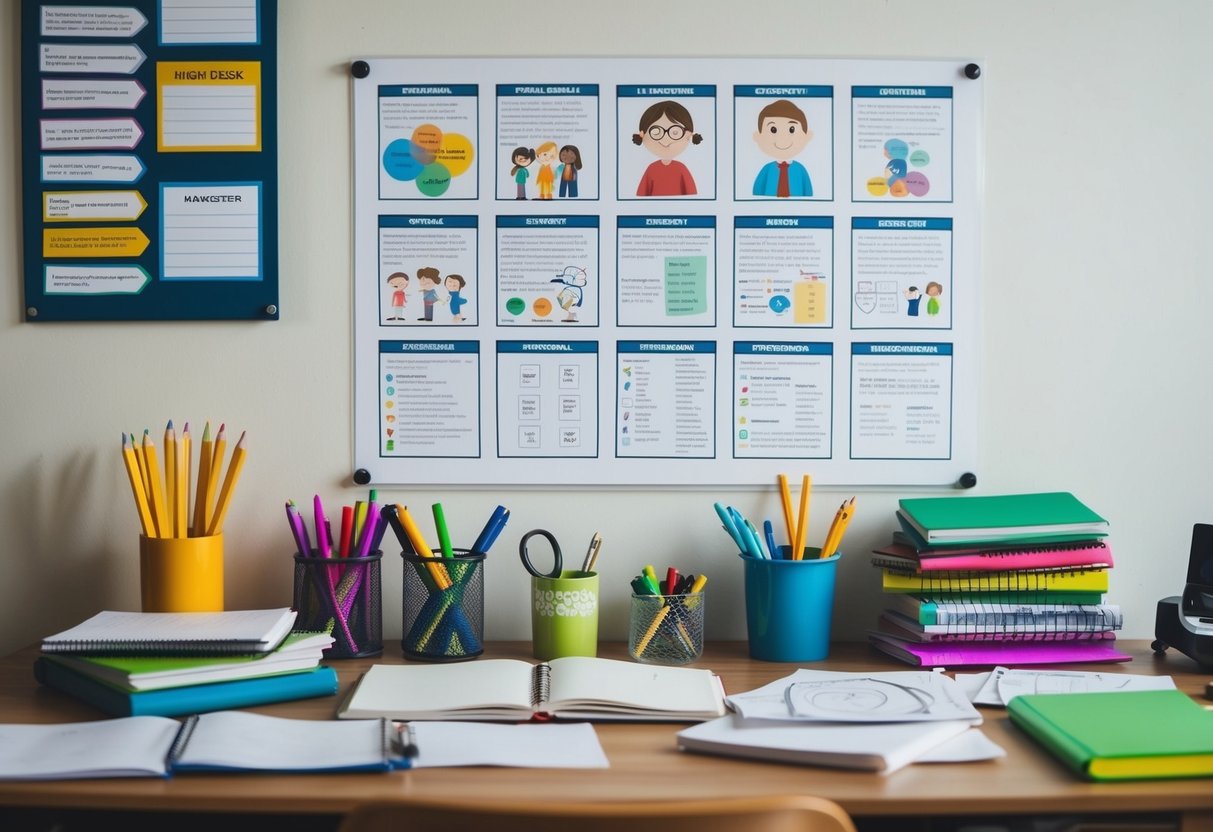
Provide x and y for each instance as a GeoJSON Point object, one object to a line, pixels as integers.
{"type": "Point", "coordinates": [1121, 735]}
{"type": "Point", "coordinates": [1011, 517]}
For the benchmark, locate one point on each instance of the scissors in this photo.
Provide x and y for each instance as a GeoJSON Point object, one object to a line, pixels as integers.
{"type": "Point", "coordinates": [524, 553]}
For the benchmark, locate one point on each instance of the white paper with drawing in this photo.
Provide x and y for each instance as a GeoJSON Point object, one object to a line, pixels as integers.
{"type": "Point", "coordinates": [1004, 684]}
{"type": "Point", "coordinates": [826, 696]}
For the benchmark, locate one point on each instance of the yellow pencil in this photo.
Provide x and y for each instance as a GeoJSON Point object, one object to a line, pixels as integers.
{"type": "Point", "coordinates": [212, 485]}
{"type": "Point", "coordinates": [184, 466]}
{"type": "Point", "coordinates": [147, 484]}
{"type": "Point", "coordinates": [802, 521]}
{"type": "Point", "coordinates": [785, 497]}
{"type": "Point", "coordinates": [437, 571]}
{"type": "Point", "coordinates": [838, 528]}
{"type": "Point", "coordinates": [136, 477]}
{"type": "Point", "coordinates": [157, 491]}
{"type": "Point", "coordinates": [202, 496]}
{"type": "Point", "coordinates": [229, 485]}
{"type": "Point", "coordinates": [170, 478]}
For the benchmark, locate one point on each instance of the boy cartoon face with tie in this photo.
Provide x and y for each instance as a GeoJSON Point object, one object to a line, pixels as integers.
{"type": "Point", "coordinates": [783, 132]}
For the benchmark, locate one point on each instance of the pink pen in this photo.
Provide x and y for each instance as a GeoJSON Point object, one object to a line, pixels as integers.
{"type": "Point", "coordinates": [323, 543]}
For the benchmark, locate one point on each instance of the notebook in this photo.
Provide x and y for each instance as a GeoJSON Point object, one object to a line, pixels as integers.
{"type": "Point", "coordinates": [1120, 735]}
{"type": "Point", "coordinates": [154, 746]}
{"type": "Point", "coordinates": [946, 609]}
{"type": "Point", "coordinates": [928, 583]}
{"type": "Point", "coordinates": [958, 653]}
{"type": "Point", "coordinates": [1091, 553]}
{"type": "Point", "coordinates": [963, 520]}
{"type": "Point", "coordinates": [883, 747]}
{"type": "Point", "coordinates": [1100, 619]}
{"type": "Point", "coordinates": [572, 687]}
{"type": "Point", "coordinates": [298, 651]}
{"type": "Point", "coordinates": [175, 633]}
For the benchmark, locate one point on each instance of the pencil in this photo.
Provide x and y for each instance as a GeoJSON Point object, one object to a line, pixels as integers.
{"type": "Point", "coordinates": [212, 485]}
{"type": "Point", "coordinates": [802, 522]}
{"type": "Point", "coordinates": [184, 469]}
{"type": "Point", "coordinates": [170, 479]}
{"type": "Point", "coordinates": [147, 484]}
{"type": "Point", "coordinates": [136, 477]}
{"type": "Point", "coordinates": [834, 539]}
{"type": "Point", "coordinates": [825, 546]}
{"type": "Point", "coordinates": [202, 494]}
{"type": "Point", "coordinates": [229, 485]}
{"type": "Point", "coordinates": [157, 492]}
{"type": "Point", "coordinates": [785, 497]}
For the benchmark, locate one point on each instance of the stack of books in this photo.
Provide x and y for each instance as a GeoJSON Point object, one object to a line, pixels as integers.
{"type": "Point", "coordinates": [1008, 579]}
{"type": "Point", "coordinates": [173, 664]}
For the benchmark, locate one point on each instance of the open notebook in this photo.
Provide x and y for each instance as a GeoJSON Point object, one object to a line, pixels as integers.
{"type": "Point", "coordinates": [573, 687]}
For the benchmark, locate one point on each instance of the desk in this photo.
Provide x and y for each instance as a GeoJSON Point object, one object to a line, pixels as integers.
{"type": "Point", "coordinates": [645, 763]}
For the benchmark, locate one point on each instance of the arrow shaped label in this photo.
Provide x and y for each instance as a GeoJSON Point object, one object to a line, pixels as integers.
{"type": "Point", "coordinates": [91, 21]}
{"type": "Point", "coordinates": [88, 57]}
{"type": "Point", "coordinates": [90, 94]}
{"type": "Point", "coordinates": [93, 242]}
{"type": "Point", "coordinates": [101, 168]}
{"type": "Point", "coordinates": [88, 206]}
{"type": "Point", "coordinates": [72, 133]}
{"type": "Point", "coordinates": [95, 280]}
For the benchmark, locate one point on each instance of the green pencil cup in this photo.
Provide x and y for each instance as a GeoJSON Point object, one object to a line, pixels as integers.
{"type": "Point", "coordinates": [564, 615]}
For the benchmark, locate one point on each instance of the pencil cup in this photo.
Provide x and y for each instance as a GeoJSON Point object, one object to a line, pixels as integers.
{"type": "Point", "coordinates": [181, 574]}
{"type": "Point", "coordinates": [564, 615]}
{"type": "Point", "coordinates": [788, 604]}
{"type": "Point", "coordinates": [443, 606]}
{"type": "Point", "coordinates": [345, 594]}
{"type": "Point", "coordinates": [666, 629]}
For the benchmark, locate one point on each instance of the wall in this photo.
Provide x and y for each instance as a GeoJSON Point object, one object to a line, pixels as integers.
{"type": "Point", "coordinates": [1094, 331]}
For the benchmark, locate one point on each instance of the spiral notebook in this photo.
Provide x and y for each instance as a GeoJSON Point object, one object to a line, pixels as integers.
{"type": "Point", "coordinates": [175, 633]}
{"type": "Point", "coordinates": [573, 687]}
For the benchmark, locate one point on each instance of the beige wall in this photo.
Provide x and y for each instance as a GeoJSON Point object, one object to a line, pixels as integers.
{"type": "Point", "coordinates": [1095, 332]}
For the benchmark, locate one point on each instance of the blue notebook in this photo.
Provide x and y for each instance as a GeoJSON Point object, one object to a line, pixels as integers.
{"type": "Point", "coordinates": [188, 699]}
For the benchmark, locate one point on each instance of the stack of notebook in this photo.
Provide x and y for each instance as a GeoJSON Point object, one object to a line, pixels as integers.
{"type": "Point", "coordinates": [172, 664]}
{"type": "Point", "coordinates": [1015, 579]}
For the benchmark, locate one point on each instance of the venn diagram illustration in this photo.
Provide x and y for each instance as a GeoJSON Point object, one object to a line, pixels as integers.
{"type": "Point", "coordinates": [900, 177]}
{"type": "Point", "coordinates": [430, 158]}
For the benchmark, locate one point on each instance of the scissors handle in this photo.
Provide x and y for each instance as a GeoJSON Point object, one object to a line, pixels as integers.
{"type": "Point", "coordinates": [525, 555]}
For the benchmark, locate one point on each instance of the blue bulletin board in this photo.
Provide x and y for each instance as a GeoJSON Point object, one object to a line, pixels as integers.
{"type": "Point", "coordinates": [149, 160]}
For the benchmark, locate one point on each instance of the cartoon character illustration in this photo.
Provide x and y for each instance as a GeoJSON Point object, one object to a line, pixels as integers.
{"type": "Point", "coordinates": [570, 163]}
{"type": "Point", "coordinates": [399, 281]}
{"type": "Point", "coordinates": [427, 281]}
{"type": "Point", "coordinates": [454, 286]}
{"type": "Point", "coordinates": [522, 157]}
{"type": "Point", "coordinates": [913, 299]}
{"type": "Point", "coordinates": [570, 297]}
{"type": "Point", "coordinates": [783, 132]}
{"type": "Point", "coordinates": [934, 290]}
{"type": "Point", "coordinates": [666, 128]}
{"type": "Point", "coordinates": [545, 155]}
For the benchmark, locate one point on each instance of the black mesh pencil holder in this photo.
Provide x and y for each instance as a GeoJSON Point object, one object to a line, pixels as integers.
{"type": "Point", "coordinates": [443, 606]}
{"type": "Point", "coordinates": [343, 595]}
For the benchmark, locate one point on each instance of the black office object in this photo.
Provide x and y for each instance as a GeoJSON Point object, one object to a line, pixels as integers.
{"type": "Point", "coordinates": [1185, 621]}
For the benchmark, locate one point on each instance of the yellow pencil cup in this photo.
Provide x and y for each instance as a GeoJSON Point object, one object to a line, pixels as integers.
{"type": "Point", "coordinates": [181, 574]}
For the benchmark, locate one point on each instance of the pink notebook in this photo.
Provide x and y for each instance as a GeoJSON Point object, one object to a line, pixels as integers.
{"type": "Point", "coordinates": [901, 556]}
{"type": "Point", "coordinates": [990, 654]}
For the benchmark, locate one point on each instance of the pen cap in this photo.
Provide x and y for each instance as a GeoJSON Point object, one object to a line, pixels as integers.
{"type": "Point", "coordinates": [443, 606]}
{"type": "Point", "coordinates": [348, 593]}
{"type": "Point", "coordinates": [788, 607]}
{"type": "Point", "coordinates": [181, 574]}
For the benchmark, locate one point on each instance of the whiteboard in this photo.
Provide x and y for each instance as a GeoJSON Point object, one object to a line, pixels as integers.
{"type": "Point", "coordinates": [651, 272]}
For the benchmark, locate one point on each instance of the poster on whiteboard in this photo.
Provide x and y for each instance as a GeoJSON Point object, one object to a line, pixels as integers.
{"type": "Point", "coordinates": [665, 272]}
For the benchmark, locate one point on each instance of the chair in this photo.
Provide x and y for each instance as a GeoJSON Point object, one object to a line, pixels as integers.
{"type": "Point", "coordinates": [775, 813]}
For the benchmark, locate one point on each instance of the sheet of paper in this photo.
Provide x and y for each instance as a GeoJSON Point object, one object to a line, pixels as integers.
{"type": "Point", "coordinates": [131, 747]}
{"type": "Point", "coordinates": [970, 747]}
{"type": "Point", "coordinates": [1011, 683]}
{"type": "Point", "coordinates": [547, 745]}
{"type": "Point", "coordinates": [972, 684]}
{"type": "Point", "coordinates": [828, 696]}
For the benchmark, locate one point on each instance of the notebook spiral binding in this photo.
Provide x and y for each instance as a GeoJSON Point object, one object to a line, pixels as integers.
{"type": "Point", "coordinates": [181, 740]}
{"type": "Point", "coordinates": [541, 683]}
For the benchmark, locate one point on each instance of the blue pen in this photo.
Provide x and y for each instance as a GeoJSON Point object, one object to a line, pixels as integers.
{"type": "Point", "coordinates": [729, 527]}
{"type": "Point", "coordinates": [750, 540]}
{"type": "Point", "coordinates": [491, 529]}
{"type": "Point", "coordinates": [768, 532]}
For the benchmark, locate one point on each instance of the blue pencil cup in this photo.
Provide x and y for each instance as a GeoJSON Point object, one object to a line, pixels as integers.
{"type": "Point", "coordinates": [788, 605]}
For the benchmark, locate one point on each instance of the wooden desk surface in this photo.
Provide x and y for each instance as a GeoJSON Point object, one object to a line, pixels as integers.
{"type": "Point", "coordinates": [645, 763]}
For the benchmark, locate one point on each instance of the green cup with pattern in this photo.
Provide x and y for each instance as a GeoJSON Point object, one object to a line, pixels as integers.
{"type": "Point", "coordinates": [564, 615]}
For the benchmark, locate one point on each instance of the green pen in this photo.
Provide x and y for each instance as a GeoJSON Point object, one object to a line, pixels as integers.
{"type": "Point", "coordinates": [444, 536]}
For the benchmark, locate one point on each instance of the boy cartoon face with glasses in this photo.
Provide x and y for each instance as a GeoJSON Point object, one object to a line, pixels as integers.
{"type": "Point", "coordinates": [666, 129]}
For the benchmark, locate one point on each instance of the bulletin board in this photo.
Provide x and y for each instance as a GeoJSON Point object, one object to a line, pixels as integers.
{"type": "Point", "coordinates": [665, 272]}
{"type": "Point", "coordinates": [149, 160]}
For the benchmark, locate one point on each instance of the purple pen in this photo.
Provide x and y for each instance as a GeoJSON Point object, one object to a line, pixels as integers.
{"type": "Point", "coordinates": [323, 540]}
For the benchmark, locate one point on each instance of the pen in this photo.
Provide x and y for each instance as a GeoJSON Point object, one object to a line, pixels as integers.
{"type": "Point", "coordinates": [444, 535]}
{"type": "Point", "coordinates": [298, 530]}
{"type": "Point", "coordinates": [750, 543]}
{"type": "Point", "coordinates": [768, 531]}
{"type": "Point", "coordinates": [491, 529]}
{"type": "Point", "coordinates": [671, 581]}
{"type": "Point", "coordinates": [323, 543]}
{"type": "Point", "coordinates": [368, 529]}
{"type": "Point", "coordinates": [347, 529]}
{"type": "Point", "coordinates": [591, 552]}
{"type": "Point", "coordinates": [727, 520]}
